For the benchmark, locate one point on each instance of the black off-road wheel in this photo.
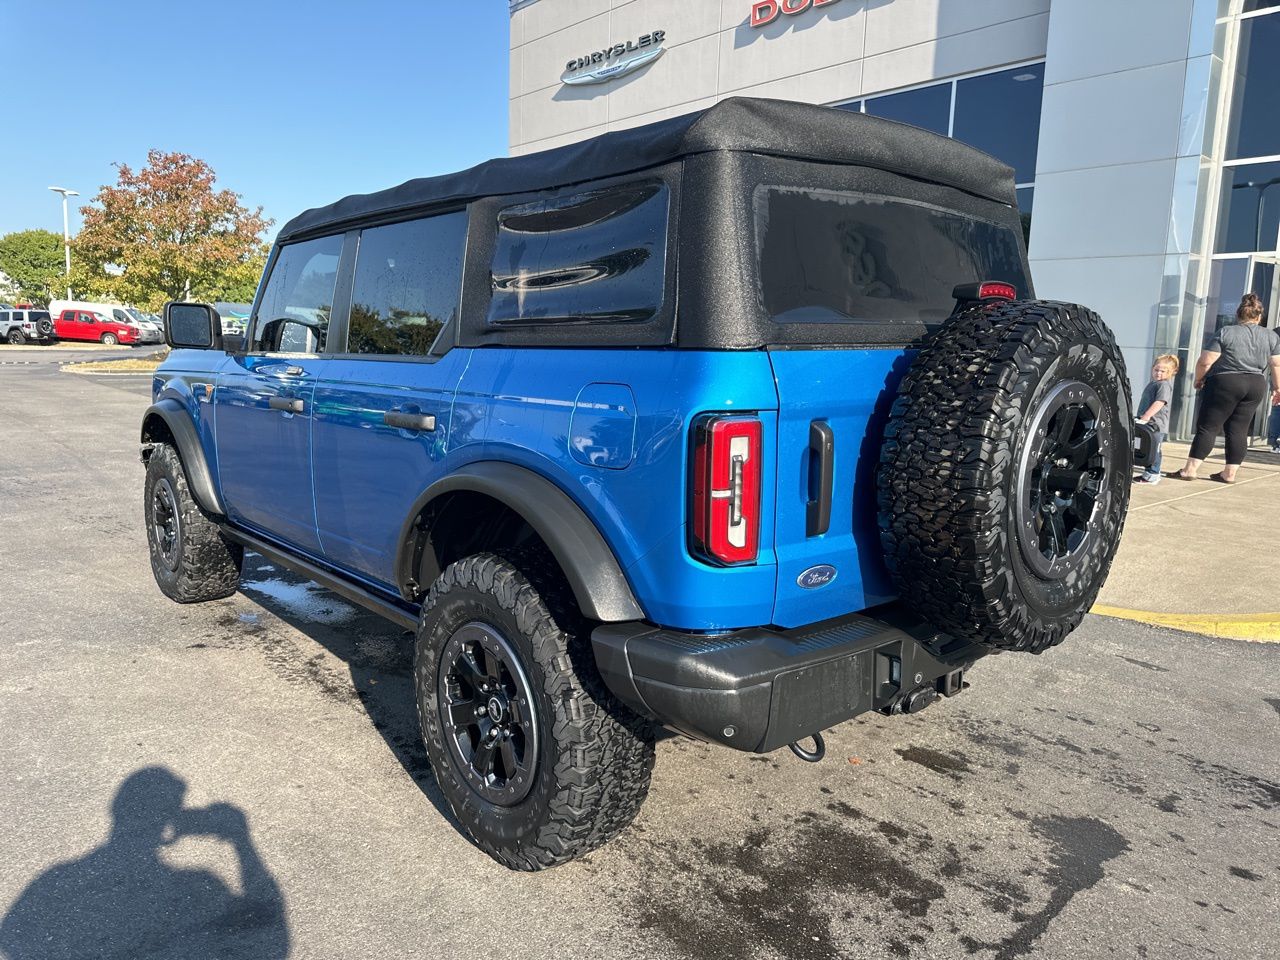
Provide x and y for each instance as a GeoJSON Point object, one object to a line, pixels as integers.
{"type": "Point", "coordinates": [1004, 477]}
{"type": "Point", "coordinates": [538, 761]}
{"type": "Point", "coordinates": [191, 560]}
{"type": "Point", "coordinates": [16, 337]}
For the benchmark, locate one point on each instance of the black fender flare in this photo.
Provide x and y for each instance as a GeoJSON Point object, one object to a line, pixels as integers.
{"type": "Point", "coordinates": [590, 567]}
{"type": "Point", "coordinates": [190, 451]}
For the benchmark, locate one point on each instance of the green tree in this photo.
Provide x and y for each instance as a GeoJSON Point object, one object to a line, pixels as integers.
{"type": "Point", "coordinates": [164, 233]}
{"type": "Point", "coordinates": [33, 261]}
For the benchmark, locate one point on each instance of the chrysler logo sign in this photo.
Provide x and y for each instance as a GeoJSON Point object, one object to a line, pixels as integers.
{"type": "Point", "coordinates": [615, 61]}
{"type": "Point", "coordinates": [766, 11]}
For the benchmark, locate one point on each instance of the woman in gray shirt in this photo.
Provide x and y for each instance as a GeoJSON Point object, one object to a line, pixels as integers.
{"type": "Point", "coordinates": [1233, 372]}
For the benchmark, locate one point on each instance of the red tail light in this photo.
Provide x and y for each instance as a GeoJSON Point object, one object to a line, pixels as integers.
{"type": "Point", "coordinates": [986, 290]}
{"type": "Point", "coordinates": [726, 488]}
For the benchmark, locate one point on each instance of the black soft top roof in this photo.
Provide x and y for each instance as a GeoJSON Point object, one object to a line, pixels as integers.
{"type": "Point", "coordinates": [773, 127]}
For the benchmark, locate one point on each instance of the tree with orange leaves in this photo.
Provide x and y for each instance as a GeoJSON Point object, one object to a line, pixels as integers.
{"type": "Point", "coordinates": [164, 233]}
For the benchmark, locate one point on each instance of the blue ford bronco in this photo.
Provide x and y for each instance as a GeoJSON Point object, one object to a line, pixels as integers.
{"type": "Point", "coordinates": [736, 425]}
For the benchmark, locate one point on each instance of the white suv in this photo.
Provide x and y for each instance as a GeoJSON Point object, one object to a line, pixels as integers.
{"type": "Point", "coordinates": [22, 326]}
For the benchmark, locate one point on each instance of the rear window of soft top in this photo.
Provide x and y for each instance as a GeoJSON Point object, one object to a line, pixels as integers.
{"type": "Point", "coordinates": [831, 256]}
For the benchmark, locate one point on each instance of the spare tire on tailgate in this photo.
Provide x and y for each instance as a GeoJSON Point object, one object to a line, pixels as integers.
{"type": "Point", "coordinates": [1004, 476]}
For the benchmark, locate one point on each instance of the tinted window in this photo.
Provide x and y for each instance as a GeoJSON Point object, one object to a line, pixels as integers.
{"type": "Point", "coordinates": [929, 107]}
{"type": "Point", "coordinates": [298, 300]}
{"type": "Point", "coordinates": [595, 257]}
{"type": "Point", "coordinates": [1026, 197]}
{"type": "Point", "coordinates": [831, 257]}
{"type": "Point", "coordinates": [38, 315]}
{"type": "Point", "coordinates": [1254, 131]}
{"type": "Point", "coordinates": [1000, 113]}
{"type": "Point", "coordinates": [1250, 214]}
{"type": "Point", "coordinates": [408, 277]}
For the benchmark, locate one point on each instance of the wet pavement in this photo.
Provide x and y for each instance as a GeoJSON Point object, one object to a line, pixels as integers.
{"type": "Point", "coordinates": [244, 779]}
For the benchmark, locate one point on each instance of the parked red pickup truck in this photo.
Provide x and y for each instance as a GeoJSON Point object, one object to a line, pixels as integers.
{"type": "Point", "coordinates": [87, 325]}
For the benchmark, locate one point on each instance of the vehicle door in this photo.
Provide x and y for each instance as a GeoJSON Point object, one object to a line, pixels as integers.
{"type": "Point", "coordinates": [262, 405]}
{"type": "Point", "coordinates": [382, 420]}
{"type": "Point", "coordinates": [869, 276]}
{"type": "Point", "coordinates": [70, 326]}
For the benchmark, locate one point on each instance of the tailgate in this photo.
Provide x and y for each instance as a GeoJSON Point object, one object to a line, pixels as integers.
{"type": "Point", "coordinates": [843, 395]}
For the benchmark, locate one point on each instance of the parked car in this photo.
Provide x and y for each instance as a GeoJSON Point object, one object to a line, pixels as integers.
{"type": "Point", "coordinates": [91, 325]}
{"type": "Point", "coordinates": [20, 326]}
{"type": "Point", "coordinates": [822, 468]}
{"type": "Point", "coordinates": [146, 330]}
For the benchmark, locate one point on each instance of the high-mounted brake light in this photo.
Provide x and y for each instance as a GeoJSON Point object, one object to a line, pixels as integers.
{"type": "Point", "coordinates": [986, 290]}
{"type": "Point", "coordinates": [726, 488]}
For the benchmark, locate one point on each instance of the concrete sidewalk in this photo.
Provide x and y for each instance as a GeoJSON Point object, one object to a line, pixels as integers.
{"type": "Point", "coordinates": [1201, 555]}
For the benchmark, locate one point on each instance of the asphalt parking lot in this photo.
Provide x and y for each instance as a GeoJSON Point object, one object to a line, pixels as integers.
{"type": "Point", "coordinates": [244, 778]}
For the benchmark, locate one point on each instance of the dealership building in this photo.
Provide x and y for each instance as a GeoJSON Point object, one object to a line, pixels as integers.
{"type": "Point", "coordinates": [1145, 134]}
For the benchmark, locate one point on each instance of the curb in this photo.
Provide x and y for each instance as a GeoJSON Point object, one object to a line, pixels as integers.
{"type": "Point", "coordinates": [71, 368]}
{"type": "Point", "coordinates": [1258, 627]}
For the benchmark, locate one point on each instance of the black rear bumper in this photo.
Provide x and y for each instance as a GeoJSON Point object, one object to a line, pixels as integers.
{"type": "Point", "coordinates": [760, 689]}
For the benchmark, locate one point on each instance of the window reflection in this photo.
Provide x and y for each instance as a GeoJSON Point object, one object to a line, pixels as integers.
{"type": "Point", "coordinates": [1254, 131]}
{"type": "Point", "coordinates": [407, 282]}
{"type": "Point", "coordinates": [1000, 113]}
{"type": "Point", "coordinates": [300, 289]}
{"type": "Point", "coordinates": [928, 107]}
{"type": "Point", "coordinates": [1026, 195]}
{"type": "Point", "coordinates": [1249, 216]}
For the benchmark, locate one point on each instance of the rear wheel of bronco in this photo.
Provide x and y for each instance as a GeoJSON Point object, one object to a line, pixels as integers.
{"type": "Point", "coordinates": [1004, 478]}
{"type": "Point", "coordinates": [191, 559]}
{"type": "Point", "coordinates": [537, 759]}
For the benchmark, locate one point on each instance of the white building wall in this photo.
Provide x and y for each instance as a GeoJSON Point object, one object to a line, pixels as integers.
{"type": "Point", "coordinates": [840, 51]}
{"type": "Point", "coordinates": [1121, 134]}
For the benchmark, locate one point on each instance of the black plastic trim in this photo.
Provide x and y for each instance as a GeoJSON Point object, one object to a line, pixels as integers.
{"type": "Point", "coordinates": [762, 688]}
{"type": "Point", "coordinates": [594, 575]}
{"type": "Point", "coordinates": [822, 451]}
{"type": "Point", "coordinates": [190, 451]}
{"type": "Point", "coordinates": [402, 614]}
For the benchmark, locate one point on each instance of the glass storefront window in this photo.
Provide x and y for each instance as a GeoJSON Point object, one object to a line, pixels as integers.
{"type": "Point", "coordinates": [1252, 5]}
{"type": "Point", "coordinates": [1000, 113]}
{"type": "Point", "coordinates": [1249, 216]}
{"type": "Point", "coordinates": [928, 107]}
{"type": "Point", "coordinates": [1254, 131]}
{"type": "Point", "coordinates": [1226, 287]}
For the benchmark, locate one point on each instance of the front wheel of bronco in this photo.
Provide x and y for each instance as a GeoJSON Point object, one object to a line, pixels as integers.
{"type": "Point", "coordinates": [538, 761]}
{"type": "Point", "coordinates": [191, 559]}
{"type": "Point", "coordinates": [1004, 478]}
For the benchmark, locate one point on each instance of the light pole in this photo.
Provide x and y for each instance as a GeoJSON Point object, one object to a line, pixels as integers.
{"type": "Point", "coordinates": [66, 231]}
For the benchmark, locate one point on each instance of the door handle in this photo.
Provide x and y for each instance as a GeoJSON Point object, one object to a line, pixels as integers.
{"type": "Point", "coordinates": [281, 369]}
{"type": "Point", "coordinates": [409, 421]}
{"type": "Point", "coordinates": [822, 460]}
{"type": "Point", "coordinates": [287, 404]}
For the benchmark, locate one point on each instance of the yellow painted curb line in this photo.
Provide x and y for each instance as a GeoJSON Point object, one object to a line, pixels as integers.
{"type": "Point", "coordinates": [1261, 627]}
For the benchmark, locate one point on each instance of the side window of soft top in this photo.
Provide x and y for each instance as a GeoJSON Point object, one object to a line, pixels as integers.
{"type": "Point", "coordinates": [407, 285]}
{"type": "Point", "coordinates": [297, 303]}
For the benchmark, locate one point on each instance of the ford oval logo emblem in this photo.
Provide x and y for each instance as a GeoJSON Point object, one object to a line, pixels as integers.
{"type": "Point", "coordinates": [815, 577]}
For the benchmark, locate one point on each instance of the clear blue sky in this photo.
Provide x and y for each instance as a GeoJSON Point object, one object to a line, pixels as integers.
{"type": "Point", "coordinates": [292, 104]}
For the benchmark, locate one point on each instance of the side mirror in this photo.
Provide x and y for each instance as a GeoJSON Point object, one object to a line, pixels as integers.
{"type": "Point", "coordinates": [192, 326]}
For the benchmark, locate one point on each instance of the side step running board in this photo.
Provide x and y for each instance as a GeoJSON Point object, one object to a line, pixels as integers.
{"type": "Point", "coordinates": [400, 614]}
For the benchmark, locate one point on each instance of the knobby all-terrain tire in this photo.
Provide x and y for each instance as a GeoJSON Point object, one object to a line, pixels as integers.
{"type": "Point", "coordinates": [17, 338]}
{"type": "Point", "coordinates": [594, 757]}
{"type": "Point", "coordinates": [952, 472]}
{"type": "Point", "coordinates": [202, 564]}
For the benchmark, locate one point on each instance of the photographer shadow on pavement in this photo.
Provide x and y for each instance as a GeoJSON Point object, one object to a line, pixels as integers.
{"type": "Point", "coordinates": [123, 900]}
